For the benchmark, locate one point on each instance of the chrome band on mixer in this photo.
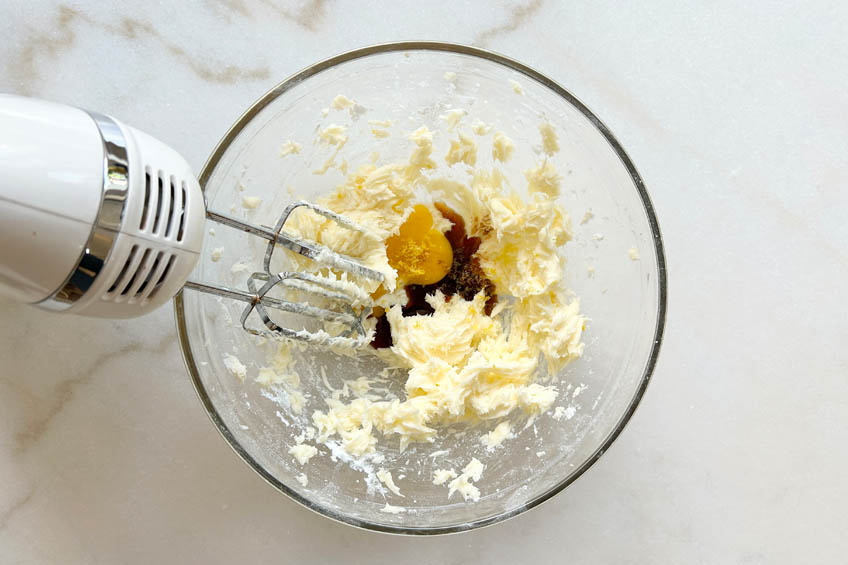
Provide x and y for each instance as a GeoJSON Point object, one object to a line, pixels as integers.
{"type": "Point", "coordinates": [107, 224]}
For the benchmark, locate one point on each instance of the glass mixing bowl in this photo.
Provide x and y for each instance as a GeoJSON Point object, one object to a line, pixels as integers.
{"type": "Point", "coordinates": [615, 265]}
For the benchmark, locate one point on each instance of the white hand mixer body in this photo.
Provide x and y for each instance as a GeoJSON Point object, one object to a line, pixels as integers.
{"type": "Point", "coordinates": [100, 219]}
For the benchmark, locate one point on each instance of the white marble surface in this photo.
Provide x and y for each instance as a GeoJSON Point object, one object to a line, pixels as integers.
{"type": "Point", "coordinates": [736, 117]}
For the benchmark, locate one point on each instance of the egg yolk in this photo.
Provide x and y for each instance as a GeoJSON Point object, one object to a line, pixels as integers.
{"type": "Point", "coordinates": [420, 253]}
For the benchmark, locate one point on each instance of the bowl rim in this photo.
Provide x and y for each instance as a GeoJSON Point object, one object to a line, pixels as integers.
{"type": "Point", "coordinates": [454, 48]}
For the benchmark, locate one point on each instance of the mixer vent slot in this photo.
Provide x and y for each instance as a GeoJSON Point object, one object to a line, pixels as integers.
{"type": "Point", "coordinates": [141, 267]}
{"type": "Point", "coordinates": [171, 206]}
{"type": "Point", "coordinates": [160, 192]}
{"type": "Point", "coordinates": [116, 284]}
{"type": "Point", "coordinates": [143, 223]}
{"type": "Point", "coordinates": [143, 273]}
{"type": "Point", "coordinates": [182, 213]}
{"type": "Point", "coordinates": [165, 202]}
{"type": "Point", "coordinates": [156, 261]}
{"type": "Point", "coordinates": [163, 276]}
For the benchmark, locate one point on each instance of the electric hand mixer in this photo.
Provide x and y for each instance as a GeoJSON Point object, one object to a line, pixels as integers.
{"type": "Point", "coordinates": [100, 219]}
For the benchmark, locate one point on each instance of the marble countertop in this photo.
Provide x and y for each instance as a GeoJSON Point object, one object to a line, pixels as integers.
{"type": "Point", "coordinates": [736, 118]}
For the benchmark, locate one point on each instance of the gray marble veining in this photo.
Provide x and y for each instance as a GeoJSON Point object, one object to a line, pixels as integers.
{"type": "Point", "coordinates": [735, 116]}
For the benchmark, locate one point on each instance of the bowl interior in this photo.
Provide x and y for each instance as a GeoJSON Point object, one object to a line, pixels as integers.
{"type": "Point", "coordinates": [622, 296]}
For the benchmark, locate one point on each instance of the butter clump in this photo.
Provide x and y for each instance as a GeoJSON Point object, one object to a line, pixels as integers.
{"type": "Point", "coordinates": [289, 147]}
{"type": "Point", "coordinates": [232, 363]}
{"type": "Point", "coordinates": [462, 364]}
{"type": "Point", "coordinates": [441, 476]}
{"type": "Point", "coordinates": [463, 149]}
{"type": "Point", "coordinates": [496, 437]}
{"type": "Point", "coordinates": [386, 478]}
{"type": "Point", "coordinates": [463, 483]}
{"type": "Point", "coordinates": [502, 147]}
{"type": "Point", "coordinates": [341, 102]}
{"type": "Point", "coordinates": [480, 127]}
{"type": "Point", "coordinates": [334, 135]}
{"type": "Point", "coordinates": [550, 144]}
{"type": "Point", "coordinates": [543, 179]}
{"type": "Point", "coordinates": [303, 452]}
{"type": "Point", "coordinates": [452, 118]}
{"type": "Point", "coordinates": [250, 202]}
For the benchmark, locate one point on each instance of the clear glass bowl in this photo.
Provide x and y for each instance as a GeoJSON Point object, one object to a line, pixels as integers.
{"type": "Point", "coordinates": [623, 298]}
